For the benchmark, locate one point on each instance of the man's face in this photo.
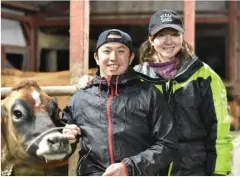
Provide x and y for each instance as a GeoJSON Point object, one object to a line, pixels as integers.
{"type": "Point", "coordinates": [113, 59]}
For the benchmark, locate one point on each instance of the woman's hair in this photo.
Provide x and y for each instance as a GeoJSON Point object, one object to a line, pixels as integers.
{"type": "Point", "coordinates": [147, 51]}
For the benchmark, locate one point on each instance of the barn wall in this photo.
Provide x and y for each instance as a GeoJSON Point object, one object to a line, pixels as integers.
{"type": "Point", "coordinates": [145, 6]}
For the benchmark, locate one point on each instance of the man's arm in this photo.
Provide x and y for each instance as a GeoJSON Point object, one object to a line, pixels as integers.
{"type": "Point", "coordinates": [157, 157]}
{"type": "Point", "coordinates": [71, 130]}
{"type": "Point", "coordinates": [217, 120]}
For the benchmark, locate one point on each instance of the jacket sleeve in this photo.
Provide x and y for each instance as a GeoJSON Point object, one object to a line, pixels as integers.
{"type": "Point", "coordinates": [67, 113]}
{"type": "Point", "coordinates": [215, 115]}
{"type": "Point", "coordinates": [158, 157]}
{"type": "Point", "coordinates": [67, 117]}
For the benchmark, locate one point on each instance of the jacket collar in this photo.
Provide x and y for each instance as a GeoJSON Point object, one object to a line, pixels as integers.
{"type": "Point", "coordinates": [187, 69]}
{"type": "Point", "coordinates": [122, 79]}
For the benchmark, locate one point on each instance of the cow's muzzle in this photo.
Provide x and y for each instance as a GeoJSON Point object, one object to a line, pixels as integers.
{"type": "Point", "coordinates": [54, 146]}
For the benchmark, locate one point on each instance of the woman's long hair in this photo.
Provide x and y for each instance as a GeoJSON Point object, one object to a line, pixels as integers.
{"type": "Point", "coordinates": [147, 51]}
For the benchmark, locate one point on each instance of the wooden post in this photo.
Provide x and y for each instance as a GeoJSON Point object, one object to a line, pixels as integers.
{"type": "Point", "coordinates": [79, 49]}
{"type": "Point", "coordinates": [79, 39]}
{"type": "Point", "coordinates": [32, 45]}
{"type": "Point", "coordinates": [232, 63]}
{"type": "Point", "coordinates": [189, 22]}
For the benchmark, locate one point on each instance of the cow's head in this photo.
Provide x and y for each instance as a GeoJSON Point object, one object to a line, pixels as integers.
{"type": "Point", "coordinates": [28, 127]}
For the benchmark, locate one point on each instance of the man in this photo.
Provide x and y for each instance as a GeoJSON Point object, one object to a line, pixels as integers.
{"type": "Point", "coordinates": [126, 125]}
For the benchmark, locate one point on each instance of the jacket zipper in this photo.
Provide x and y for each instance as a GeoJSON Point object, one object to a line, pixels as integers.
{"type": "Point", "coordinates": [169, 89]}
{"type": "Point", "coordinates": [110, 144]}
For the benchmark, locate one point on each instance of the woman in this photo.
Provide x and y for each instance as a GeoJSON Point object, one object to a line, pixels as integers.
{"type": "Point", "coordinates": [195, 93]}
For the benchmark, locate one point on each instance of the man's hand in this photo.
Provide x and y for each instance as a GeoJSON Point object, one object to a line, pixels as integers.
{"type": "Point", "coordinates": [116, 169]}
{"type": "Point", "coordinates": [71, 131]}
{"type": "Point", "coordinates": [85, 81]}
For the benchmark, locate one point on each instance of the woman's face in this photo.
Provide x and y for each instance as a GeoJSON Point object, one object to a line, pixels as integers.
{"type": "Point", "coordinates": [167, 42]}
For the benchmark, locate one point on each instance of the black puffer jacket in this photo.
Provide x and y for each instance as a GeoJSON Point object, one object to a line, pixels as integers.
{"type": "Point", "coordinates": [123, 120]}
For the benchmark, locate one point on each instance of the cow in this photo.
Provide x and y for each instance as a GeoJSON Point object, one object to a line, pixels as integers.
{"type": "Point", "coordinates": [10, 77]}
{"type": "Point", "coordinates": [30, 130]}
{"type": "Point", "coordinates": [233, 97]}
{"type": "Point", "coordinates": [234, 111]}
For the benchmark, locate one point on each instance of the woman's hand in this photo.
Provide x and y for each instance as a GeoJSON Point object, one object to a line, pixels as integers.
{"type": "Point", "coordinates": [85, 81]}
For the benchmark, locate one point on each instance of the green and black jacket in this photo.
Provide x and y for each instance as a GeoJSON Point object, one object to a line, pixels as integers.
{"type": "Point", "coordinates": [198, 99]}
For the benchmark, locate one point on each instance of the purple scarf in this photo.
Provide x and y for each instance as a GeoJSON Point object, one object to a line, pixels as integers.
{"type": "Point", "coordinates": [167, 69]}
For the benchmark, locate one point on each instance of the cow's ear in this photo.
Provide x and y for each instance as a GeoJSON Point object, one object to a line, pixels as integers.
{"type": "Point", "coordinates": [4, 112]}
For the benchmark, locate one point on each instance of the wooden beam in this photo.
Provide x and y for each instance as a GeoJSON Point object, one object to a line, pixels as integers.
{"type": "Point", "coordinates": [189, 22]}
{"type": "Point", "coordinates": [212, 20]}
{"type": "Point", "coordinates": [79, 42]}
{"type": "Point", "coordinates": [7, 46]}
{"type": "Point", "coordinates": [32, 48]}
{"type": "Point", "coordinates": [125, 21]}
{"type": "Point", "coordinates": [26, 32]}
{"type": "Point", "coordinates": [57, 11]}
{"type": "Point", "coordinates": [145, 21]}
{"type": "Point", "coordinates": [20, 18]}
{"type": "Point", "coordinates": [19, 6]}
{"type": "Point", "coordinates": [149, 13]}
{"type": "Point", "coordinates": [79, 39]}
{"type": "Point", "coordinates": [55, 22]}
{"type": "Point", "coordinates": [232, 65]}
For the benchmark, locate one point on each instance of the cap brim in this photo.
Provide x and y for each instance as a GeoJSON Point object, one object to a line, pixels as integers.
{"type": "Point", "coordinates": [176, 27]}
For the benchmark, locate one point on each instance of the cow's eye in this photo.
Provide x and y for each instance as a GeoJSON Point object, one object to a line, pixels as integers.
{"type": "Point", "coordinates": [17, 114]}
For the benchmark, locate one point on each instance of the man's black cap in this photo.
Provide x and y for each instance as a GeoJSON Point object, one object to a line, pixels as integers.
{"type": "Point", "coordinates": [165, 19]}
{"type": "Point", "coordinates": [124, 38]}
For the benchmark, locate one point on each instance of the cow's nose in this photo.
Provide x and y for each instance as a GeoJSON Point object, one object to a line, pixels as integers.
{"type": "Point", "coordinates": [58, 144]}
{"type": "Point", "coordinates": [54, 146]}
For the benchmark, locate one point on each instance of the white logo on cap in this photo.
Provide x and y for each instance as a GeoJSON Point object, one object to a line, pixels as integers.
{"type": "Point", "coordinates": [166, 18]}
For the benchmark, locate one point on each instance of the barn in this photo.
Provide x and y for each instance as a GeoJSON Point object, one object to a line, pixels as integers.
{"type": "Point", "coordinates": [54, 36]}
{"type": "Point", "coordinates": [41, 35]}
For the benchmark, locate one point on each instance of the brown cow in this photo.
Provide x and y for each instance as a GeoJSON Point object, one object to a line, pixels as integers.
{"type": "Point", "coordinates": [234, 111]}
{"type": "Point", "coordinates": [28, 130]}
{"type": "Point", "coordinates": [234, 105]}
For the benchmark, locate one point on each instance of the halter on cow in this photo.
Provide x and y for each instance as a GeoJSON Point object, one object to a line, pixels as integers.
{"type": "Point", "coordinates": [28, 129]}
